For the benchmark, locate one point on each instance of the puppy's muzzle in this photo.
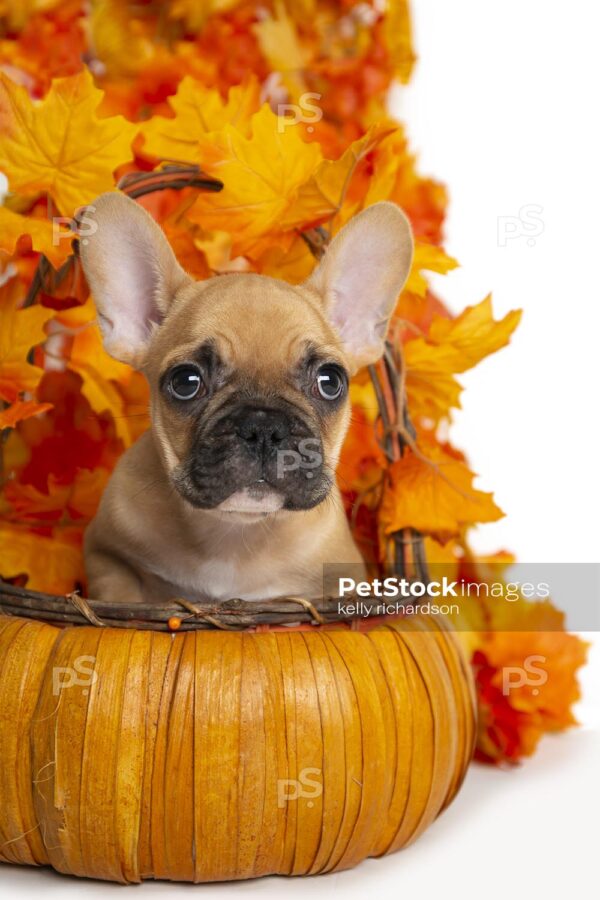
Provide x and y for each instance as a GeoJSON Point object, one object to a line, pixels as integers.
{"type": "Point", "coordinates": [267, 453]}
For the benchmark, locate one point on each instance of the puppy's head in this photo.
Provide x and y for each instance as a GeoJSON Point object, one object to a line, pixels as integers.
{"type": "Point", "coordinates": [248, 374]}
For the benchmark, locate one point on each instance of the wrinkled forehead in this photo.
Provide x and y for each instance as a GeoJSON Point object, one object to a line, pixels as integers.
{"type": "Point", "coordinates": [252, 323]}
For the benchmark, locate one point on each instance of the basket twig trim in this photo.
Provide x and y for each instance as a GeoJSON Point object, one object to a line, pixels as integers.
{"type": "Point", "coordinates": [82, 606]}
{"type": "Point", "coordinates": [229, 615]}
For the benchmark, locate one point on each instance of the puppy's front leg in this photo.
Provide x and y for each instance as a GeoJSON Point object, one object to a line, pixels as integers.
{"type": "Point", "coordinates": [109, 578]}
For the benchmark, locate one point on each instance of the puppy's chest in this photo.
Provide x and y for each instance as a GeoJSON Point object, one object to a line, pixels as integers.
{"type": "Point", "coordinates": [218, 574]}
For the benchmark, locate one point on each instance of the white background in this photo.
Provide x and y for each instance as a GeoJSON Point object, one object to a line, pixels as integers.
{"type": "Point", "coordinates": [503, 108]}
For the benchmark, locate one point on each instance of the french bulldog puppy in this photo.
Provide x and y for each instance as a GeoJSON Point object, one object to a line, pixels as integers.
{"type": "Point", "coordinates": [232, 492]}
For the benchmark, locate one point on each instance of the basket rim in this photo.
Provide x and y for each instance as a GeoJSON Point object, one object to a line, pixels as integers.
{"type": "Point", "coordinates": [181, 615]}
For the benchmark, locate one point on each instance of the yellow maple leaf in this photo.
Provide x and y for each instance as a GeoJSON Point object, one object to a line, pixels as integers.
{"type": "Point", "coordinates": [293, 264]}
{"type": "Point", "coordinates": [452, 346]}
{"type": "Point", "coordinates": [101, 375]}
{"type": "Point", "coordinates": [52, 564]}
{"type": "Point", "coordinates": [46, 238]}
{"type": "Point", "coordinates": [279, 41]}
{"type": "Point", "coordinates": [430, 258]}
{"type": "Point", "coordinates": [465, 340]}
{"type": "Point", "coordinates": [434, 495]}
{"type": "Point", "coordinates": [397, 35]}
{"type": "Point", "coordinates": [324, 192]}
{"type": "Point", "coordinates": [20, 330]}
{"type": "Point", "coordinates": [262, 176]}
{"type": "Point", "coordinates": [362, 393]}
{"type": "Point", "coordinates": [60, 145]}
{"type": "Point", "coordinates": [199, 111]}
{"type": "Point", "coordinates": [117, 38]}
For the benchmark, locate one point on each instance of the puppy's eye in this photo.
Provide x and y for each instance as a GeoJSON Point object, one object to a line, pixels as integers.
{"type": "Point", "coordinates": [185, 382]}
{"type": "Point", "coordinates": [329, 383]}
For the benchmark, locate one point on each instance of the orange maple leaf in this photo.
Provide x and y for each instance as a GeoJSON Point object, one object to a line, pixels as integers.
{"type": "Point", "coordinates": [513, 719]}
{"type": "Point", "coordinates": [20, 410]}
{"type": "Point", "coordinates": [434, 495]}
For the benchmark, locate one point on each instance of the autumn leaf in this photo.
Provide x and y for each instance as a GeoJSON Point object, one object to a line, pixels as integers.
{"type": "Point", "coordinates": [511, 722]}
{"type": "Point", "coordinates": [199, 111]}
{"type": "Point", "coordinates": [18, 11]}
{"type": "Point", "coordinates": [452, 346]}
{"type": "Point", "coordinates": [46, 237]}
{"type": "Point", "coordinates": [431, 258]}
{"type": "Point", "coordinates": [434, 495]}
{"type": "Point", "coordinates": [362, 393]}
{"type": "Point", "coordinates": [69, 437]}
{"type": "Point", "coordinates": [188, 248]}
{"type": "Point", "coordinates": [395, 176]}
{"type": "Point", "coordinates": [59, 145]}
{"type": "Point", "coordinates": [77, 499]}
{"type": "Point", "coordinates": [99, 374]}
{"type": "Point", "coordinates": [293, 263]}
{"type": "Point", "coordinates": [20, 330]}
{"type": "Point", "coordinates": [280, 43]}
{"type": "Point", "coordinates": [362, 462]}
{"type": "Point", "coordinates": [465, 340]}
{"type": "Point", "coordinates": [20, 410]}
{"type": "Point", "coordinates": [323, 194]}
{"type": "Point", "coordinates": [397, 32]}
{"type": "Point", "coordinates": [52, 564]}
{"type": "Point", "coordinates": [195, 14]}
{"type": "Point", "coordinates": [87, 349]}
{"type": "Point", "coordinates": [117, 37]}
{"type": "Point", "coordinates": [560, 655]}
{"type": "Point", "coordinates": [50, 43]}
{"type": "Point", "coordinates": [262, 176]}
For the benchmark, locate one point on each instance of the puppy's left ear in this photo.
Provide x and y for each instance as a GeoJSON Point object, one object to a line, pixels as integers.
{"type": "Point", "coordinates": [361, 275]}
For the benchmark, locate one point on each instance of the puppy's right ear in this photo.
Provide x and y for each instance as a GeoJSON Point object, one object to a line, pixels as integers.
{"type": "Point", "coordinates": [132, 273]}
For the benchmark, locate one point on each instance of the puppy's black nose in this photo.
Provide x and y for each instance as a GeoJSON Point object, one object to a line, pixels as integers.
{"type": "Point", "coordinates": [263, 429]}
